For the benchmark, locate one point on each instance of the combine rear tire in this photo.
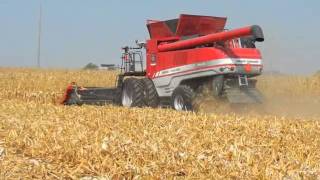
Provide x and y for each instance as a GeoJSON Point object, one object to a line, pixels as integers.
{"type": "Point", "coordinates": [182, 98]}
{"type": "Point", "coordinates": [132, 93]}
{"type": "Point", "coordinates": [151, 97]}
{"type": "Point", "coordinates": [217, 85]}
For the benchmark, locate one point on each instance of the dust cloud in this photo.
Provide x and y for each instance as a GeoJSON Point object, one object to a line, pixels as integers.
{"type": "Point", "coordinates": [287, 100]}
{"type": "Point", "coordinates": [301, 107]}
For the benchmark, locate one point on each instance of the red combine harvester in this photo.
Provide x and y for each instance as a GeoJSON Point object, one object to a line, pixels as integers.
{"type": "Point", "coordinates": [183, 55]}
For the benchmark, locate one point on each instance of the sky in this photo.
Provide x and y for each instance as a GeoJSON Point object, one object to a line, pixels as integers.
{"type": "Point", "coordinates": [76, 32]}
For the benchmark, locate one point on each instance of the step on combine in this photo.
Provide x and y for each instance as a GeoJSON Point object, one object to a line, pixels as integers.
{"type": "Point", "coordinates": [183, 55]}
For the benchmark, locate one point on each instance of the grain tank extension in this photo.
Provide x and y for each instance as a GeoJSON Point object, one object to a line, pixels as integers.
{"type": "Point", "coordinates": [182, 56]}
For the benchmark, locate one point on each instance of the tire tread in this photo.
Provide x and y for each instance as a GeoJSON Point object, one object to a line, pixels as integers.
{"type": "Point", "coordinates": [151, 95]}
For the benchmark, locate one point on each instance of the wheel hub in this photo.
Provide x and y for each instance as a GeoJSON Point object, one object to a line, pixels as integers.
{"type": "Point", "coordinates": [127, 98]}
{"type": "Point", "coordinates": [179, 103]}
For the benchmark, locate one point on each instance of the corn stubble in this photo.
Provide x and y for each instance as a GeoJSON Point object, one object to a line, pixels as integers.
{"type": "Point", "coordinates": [42, 140]}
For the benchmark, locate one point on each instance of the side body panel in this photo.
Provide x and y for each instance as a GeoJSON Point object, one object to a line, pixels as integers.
{"type": "Point", "coordinates": [169, 69]}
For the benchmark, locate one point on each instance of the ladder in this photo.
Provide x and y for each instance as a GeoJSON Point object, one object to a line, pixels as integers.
{"type": "Point", "coordinates": [243, 80]}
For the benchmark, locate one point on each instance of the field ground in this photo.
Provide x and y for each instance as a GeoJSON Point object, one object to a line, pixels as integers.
{"type": "Point", "coordinates": [40, 139]}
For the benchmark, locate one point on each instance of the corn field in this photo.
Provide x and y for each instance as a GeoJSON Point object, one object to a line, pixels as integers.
{"type": "Point", "coordinates": [40, 139]}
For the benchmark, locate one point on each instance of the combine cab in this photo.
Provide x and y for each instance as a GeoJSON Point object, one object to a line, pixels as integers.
{"type": "Point", "coordinates": [183, 55]}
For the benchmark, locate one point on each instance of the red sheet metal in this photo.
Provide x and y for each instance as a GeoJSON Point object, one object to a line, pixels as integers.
{"type": "Point", "coordinates": [158, 29]}
{"type": "Point", "coordinates": [67, 93]}
{"type": "Point", "coordinates": [186, 25]}
{"type": "Point", "coordinates": [199, 25]}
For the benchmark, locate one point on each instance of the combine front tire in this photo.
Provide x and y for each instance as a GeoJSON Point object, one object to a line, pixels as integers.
{"type": "Point", "coordinates": [132, 93]}
{"type": "Point", "coordinates": [182, 98]}
{"type": "Point", "coordinates": [151, 97]}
